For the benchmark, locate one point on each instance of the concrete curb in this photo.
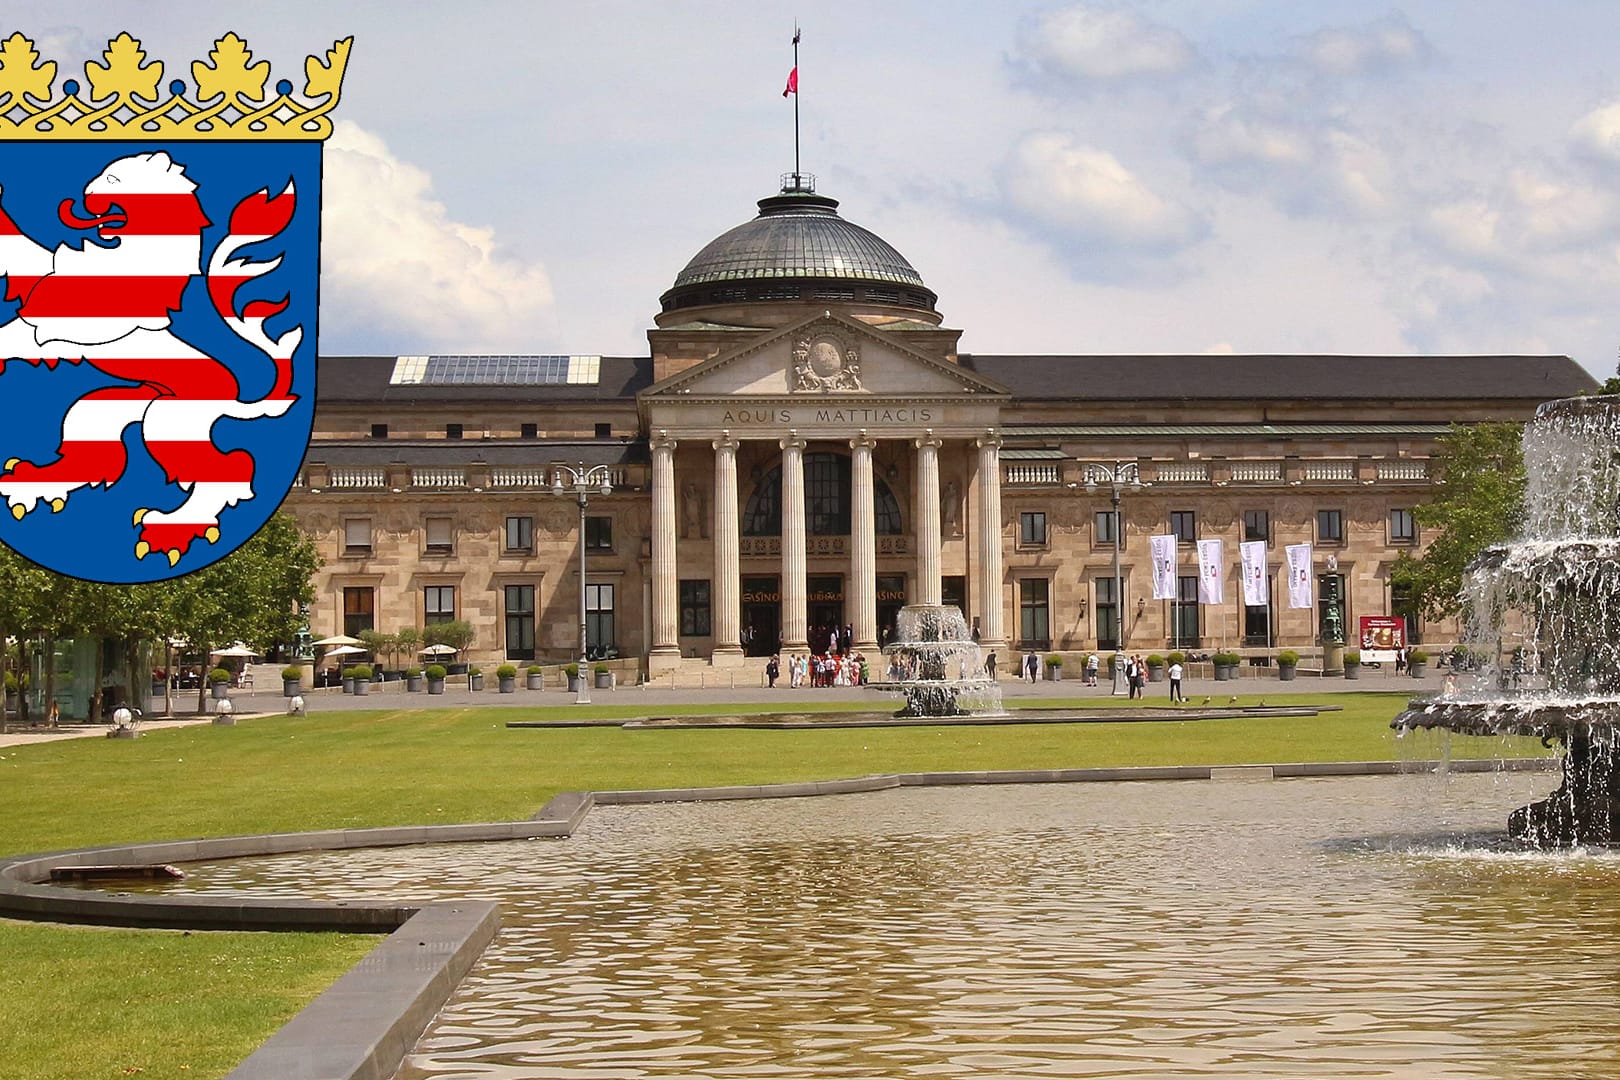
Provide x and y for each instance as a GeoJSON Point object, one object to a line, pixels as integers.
{"type": "Point", "coordinates": [363, 1025]}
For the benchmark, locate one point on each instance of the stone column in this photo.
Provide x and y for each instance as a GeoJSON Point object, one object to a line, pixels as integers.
{"type": "Point", "coordinates": [863, 537]}
{"type": "Point", "coordinates": [666, 650]}
{"type": "Point", "coordinates": [928, 583]}
{"type": "Point", "coordinates": [795, 628]}
{"type": "Point", "coordinates": [726, 592]}
{"type": "Point", "coordinates": [992, 632]}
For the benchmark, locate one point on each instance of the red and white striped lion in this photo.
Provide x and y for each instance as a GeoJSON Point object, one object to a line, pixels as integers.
{"type": "Point", "coordinates": [109, 307]}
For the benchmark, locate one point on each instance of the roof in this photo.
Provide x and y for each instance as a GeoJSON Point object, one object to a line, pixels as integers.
{"type": "Point", "coordinates": [1349, 429]}
{"type": "Point", "coordinates": [616, 451]}
{"type": "Point", "coordinates": [368, 379]}
{"type": "Point", "coordinates": [1284, 377]}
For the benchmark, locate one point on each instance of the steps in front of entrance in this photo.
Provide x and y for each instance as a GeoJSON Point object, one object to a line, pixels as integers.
{"type": "Point", "coordinates": [695, 674]}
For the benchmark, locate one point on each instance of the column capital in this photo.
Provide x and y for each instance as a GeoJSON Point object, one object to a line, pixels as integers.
{"type": "Point", "coordinates": [792, 441]}
{"type": "Point", "coordinates": [725, 443]}
{"type": "Point", "coordinates": [991, 439]}
{"type": "Point", "coordinates": [863, 441]}
{"type": "Point", "coordinates": [661, 441]}
{"type": "Point", "coordinates": [929, 440]}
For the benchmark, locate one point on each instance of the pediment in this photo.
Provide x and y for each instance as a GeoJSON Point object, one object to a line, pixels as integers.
{"type": "Point", "coordinates": [826, 359]}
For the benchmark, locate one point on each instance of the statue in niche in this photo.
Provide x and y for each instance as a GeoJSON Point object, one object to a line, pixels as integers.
{"type": "Point", "coordinates": [950, 510]}
{"type": "Point", "coordinates": [692, 512]}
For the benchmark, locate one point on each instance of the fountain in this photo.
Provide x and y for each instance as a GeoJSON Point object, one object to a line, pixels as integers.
{"type": "Point", "coordinates": [940, 670]}
{"type": "Point", "coordinates": [1546, 610]}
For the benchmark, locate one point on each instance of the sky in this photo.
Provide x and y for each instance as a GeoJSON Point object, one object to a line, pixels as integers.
{"type": "Point", "coordinates": [1180, 176]}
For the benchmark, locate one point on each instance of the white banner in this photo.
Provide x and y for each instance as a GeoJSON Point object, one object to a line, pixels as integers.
{"type": "Point", "coordinates": [1253, 555]}
{"type": "Point", "coordinates": [1211, 583]}
{"type": "Point", "coordinates": [1299, 576]}
{"type": "Point", "coordinates": [1163, 549]}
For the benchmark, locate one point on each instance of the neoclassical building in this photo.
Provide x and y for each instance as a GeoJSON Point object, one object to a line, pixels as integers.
{"type": "Point", "coordinates": [804, 447]}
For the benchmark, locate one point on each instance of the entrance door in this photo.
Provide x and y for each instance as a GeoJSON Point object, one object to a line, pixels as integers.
{"type": "Point", "coordinates": [824, 610]}
{"type": "Point", "coordinates": [891, 597]}
{"type": "Point", "coordinates": [761, 616]}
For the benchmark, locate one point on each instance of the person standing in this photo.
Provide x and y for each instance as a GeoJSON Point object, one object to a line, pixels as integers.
{"type": "Point", "coordinates": [773, 670]}
{"type": "Point", "coordinates": [1032, 666]}
{"type": "Point", "coordinates": [1175, 682]}
{"type": "Point", "coordinates": [1130, 676]}
{"type": "Point", "coordinates": [990, 666]}
{"type": "Point", "coordinates": [1093, 662]}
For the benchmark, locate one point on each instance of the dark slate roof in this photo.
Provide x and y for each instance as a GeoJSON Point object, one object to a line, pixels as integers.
{"type": "Point", "coordinates": [615, 451]}
{"type": "Point", "coordinates": [364, 379]}
{"type": "Point", "coordinates": [1282, 377]}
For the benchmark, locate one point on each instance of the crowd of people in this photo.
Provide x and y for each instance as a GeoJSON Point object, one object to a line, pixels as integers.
{"type": "Point", "coordinates": [820, 669]}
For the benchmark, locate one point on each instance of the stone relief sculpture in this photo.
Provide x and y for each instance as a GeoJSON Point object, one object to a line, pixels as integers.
{"type": "Point", "coordinates": [825, 362]}
{"type": "Point", "coordinates": [950, 510]}
{"type": "Point", "coordinates": [692, 512]}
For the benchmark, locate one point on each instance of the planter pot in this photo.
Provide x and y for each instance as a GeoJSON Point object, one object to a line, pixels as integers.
{"type": "Point", "coordinates": [1352, 671]}
{"type": "Point", "coordinates": [604, 680]}
{"type": "Point", "coordinates": [1419, 669]}
{"type": "Point", "coordinates": [362, 687]}
{"type": "Point", "coordinates": [1285, 672]}
{"type": "Point", "coordinates": [475, 682]}
{"type": "Point", "coordinates": [435, 686]}
{"type": "Point", "coordinates": [573, 684]}
{"type": "Point", "coordinates": [225, 720]}
{"type": "Point", "coordinates": [1155, 674]}
{"type": "Point", "coordinates": [348, 686]}
{"type": "Point", "coordinates": [221, 691]}
{"type": "Point", "coordinates": [537, 681]}
{"type": "Point", "coordinates": [413, 684]}
{"type": "Point", "coordinates": [1223, 673]}
{"type": "Point", "coordinates": [290, 687]}
{"type": "Point", "coordinates": [1054, 673]}
{"type": "Point", "coordinates": [508, 684]}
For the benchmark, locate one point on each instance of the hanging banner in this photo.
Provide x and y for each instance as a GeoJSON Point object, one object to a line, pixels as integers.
{"type": "Point", "coordinates": [1299, 576]}
{"type": "Point", "coordinates": [1253, 554]}
{"type": "Point", "coordinates": [1163, 549]}
{"type": "Point", "coordinates": [1211, 587]}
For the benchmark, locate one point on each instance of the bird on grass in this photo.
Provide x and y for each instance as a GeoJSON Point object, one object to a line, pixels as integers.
{"type": "Point", "coordinates": [1204, 702]}
{"type": "Point", "coordinates": [1231, 700]}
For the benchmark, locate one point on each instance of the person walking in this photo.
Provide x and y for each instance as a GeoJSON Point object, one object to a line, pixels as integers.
{"type": "Point", "coordinates": [1175, 683]}
{"type": "Point", "coordinates": [1032, 666]}
{"type": "Point", "coordinates": [990, 666]}
{"type": "Point", "coordinates": [1093, 662]}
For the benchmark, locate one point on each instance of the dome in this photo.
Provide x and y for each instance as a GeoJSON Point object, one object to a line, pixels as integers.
{"type": "Point", "coordinates": [798, 248]}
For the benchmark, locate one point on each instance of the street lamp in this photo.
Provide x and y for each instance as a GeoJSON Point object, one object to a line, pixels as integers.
{"type": "Point", "coordinates": [1118, 476]}
{"type": "Point", "coordinates": [585, 480]}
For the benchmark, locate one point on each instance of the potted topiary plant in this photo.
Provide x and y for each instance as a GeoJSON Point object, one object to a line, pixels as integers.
{"type": "Point", "coordinates": [1417, 662]}
{"type": "Point", "coordinates": [475, 678]}
{"type": "Point", "coordinates": [435, 679]}
{"type": "Point", "coordinates": [604, 676]}
{"type": "Point", "coordinates": [1226, 665]}
{"type": "Point", "coordinates": [1287, 665]}
{"type": "Point", "coordinates": [1054, 667]}
{"type": "Point", "coordinates": [347, 676]}
{"type": "Point", "coordinates": [362, 679]}
{"type": "Point", "coordinates": [537, 677]}
{"type": "Point", "coordinates": [572, 671]}
{"type": "Point", "coordinates": [506, 678]}
{"type": "Point", "coordinates": [1177, 657]}
{"type": "Point", "coordinates": [1155, 666]}
{"type": "Point", "coordinates": [292, 677]}
{"type": "Point", "coordinates": [413, 680]}
{"type": "Point", "coordinates": [1352, 664]}
{"type": "Point", "coordinates": [220, 681]}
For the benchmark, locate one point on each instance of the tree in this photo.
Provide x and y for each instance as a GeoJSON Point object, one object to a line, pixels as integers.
{"type": "Point", "coordinates": [1479, 501]}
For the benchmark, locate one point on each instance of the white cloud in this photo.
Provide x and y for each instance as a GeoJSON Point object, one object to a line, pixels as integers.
{"type": "Point", "coordinates": [1384, 46]}
{"type": "Point", "coordinates": [1598, 132]}
{"type": "Point", "coordinates": [1100, 44]}
{"type": "Point", "coordinates": [1227, 137]}
{"type": "Point", "coordinates": [398, 269]}
{"type": "Point", "coordinates": [1059, 186]}
{"type": "Point", "coordinates": [1555, 213]}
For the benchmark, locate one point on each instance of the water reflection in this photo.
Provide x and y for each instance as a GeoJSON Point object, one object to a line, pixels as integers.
{"type": "Point", "coordinates": [1366, 927]}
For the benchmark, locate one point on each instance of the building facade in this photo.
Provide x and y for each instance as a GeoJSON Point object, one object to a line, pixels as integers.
{"type": "Point", "coordinates": [804, 447]}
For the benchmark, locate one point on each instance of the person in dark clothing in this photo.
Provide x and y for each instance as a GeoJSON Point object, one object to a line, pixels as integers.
{"type": "Point", "coordinates": [773, 670]}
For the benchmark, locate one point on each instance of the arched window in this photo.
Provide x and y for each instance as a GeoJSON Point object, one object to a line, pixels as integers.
{"type": "Point", "coordinates": [827, 500]}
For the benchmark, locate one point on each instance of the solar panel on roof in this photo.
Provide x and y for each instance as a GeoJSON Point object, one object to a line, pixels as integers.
{"type": "Point", "coordinates": [496, 371]}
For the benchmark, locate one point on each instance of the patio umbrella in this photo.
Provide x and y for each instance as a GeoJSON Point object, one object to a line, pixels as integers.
{"type": "Point", "coordinates": [235, 650]}
{"type": "Point", "coordinates": [438, 650]}
{"type": "Point", "coordinates": [337, 639]}
{"type": "Point", "coordinates": [344, 650]}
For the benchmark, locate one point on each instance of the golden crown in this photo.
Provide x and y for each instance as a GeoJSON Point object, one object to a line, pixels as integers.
{"type": "Point", "coordinates": [125, 102]}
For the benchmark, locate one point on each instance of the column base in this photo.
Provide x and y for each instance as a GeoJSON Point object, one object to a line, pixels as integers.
{"type": "Point", "coordinates": [869, 647]}
{"type": "Point", "coordinates": [727, 656]}
{"type": "Point", "coordinates": [795, 646]}
{"type": "Point", "coordinates": [659, 662]}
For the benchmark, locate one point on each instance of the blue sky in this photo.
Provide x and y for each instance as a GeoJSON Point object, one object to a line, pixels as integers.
{"type": "Point", "coordinates": [1175, 176]}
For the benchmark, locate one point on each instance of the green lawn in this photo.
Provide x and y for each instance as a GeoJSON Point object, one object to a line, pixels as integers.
{"type": "Point", "coordinates": [90, 1003]}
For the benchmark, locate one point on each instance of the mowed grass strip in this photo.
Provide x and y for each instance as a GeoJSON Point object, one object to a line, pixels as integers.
{"type": "Point", "coordinates": [92, 1003]}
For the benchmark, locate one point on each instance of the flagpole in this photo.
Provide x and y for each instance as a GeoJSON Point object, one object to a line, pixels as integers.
{"type": "Point", "coordinates": [796, 181]}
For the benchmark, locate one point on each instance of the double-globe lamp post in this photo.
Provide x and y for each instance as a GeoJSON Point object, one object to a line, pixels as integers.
{"type": "Point", "coordinates": [1118, 476]}
{"type": "Point", "coordinates": [585, 480]}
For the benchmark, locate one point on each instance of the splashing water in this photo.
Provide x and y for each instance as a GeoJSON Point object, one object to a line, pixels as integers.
{"type": "Point", "coordinates": [934, 661]}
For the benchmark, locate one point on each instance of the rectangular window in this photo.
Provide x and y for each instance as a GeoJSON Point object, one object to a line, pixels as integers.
{"type": "Point", "coordinates": [357, 536]}
{"type": "Point", "coordinates": [598, 534]}
{"type": "Point", "coordinates": [379, 431]}
{"type": "Point", "coordinates": [452, 431]}
{"type": "Point", "coordinates": [1184, 523]}
{"type": "Point", "coordinates": [1104, 528]}
{"type": "Point", "coordinates": [440, 536]}
{"type": "Point", "coordinates": [1184, 612]}
{"type": "Point", "coordinates": [438, 604]}
{"type": "Point", "coordinates": [1034, 621]}
{"type": "Point", "coordinates": [1402, 529]}
{"type": "Point", "coordinates": [529, 431]}
{"type": "Point", "coordinates": [1107, 607]}
{"type": "Point", "coordinates": [1257, 525]}
{"type": "Point", "coordinates": [604, 431]}
{"type": "Point", "coordinates": [357, 610]}
{"type": "Point", "coordinates": [1032, 529]}
{"type": "Point", "coordinates": [520, 533]}
{"type": "Point", "coordinates": [520, 622]}
{"type": "Point", "coordinates": [1257, 628]}
{"type": "Point", "coordinates": [695, 609]}
{"type": "Point", "coordinates": [599, 619]}
{"type": "Point", "coordinates": [1330, 526]}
